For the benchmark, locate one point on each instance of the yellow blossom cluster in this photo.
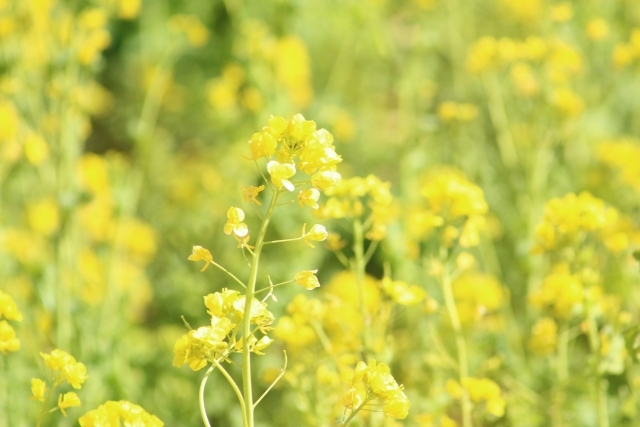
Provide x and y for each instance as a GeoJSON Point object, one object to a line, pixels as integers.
{"type": "Point", "coordinates": [9, 343]}
{"type": "Point", "coordinates": [349, 198]}
{"type": "Point", "coordinates": [456, 209]}
{"type": "Point", "coordinates": [216, 342]}
{"type": "Point", "coordinates": [544, 337]}
{"type": "Point", "coordinates": [623, 156]}
{"type": "Point", "coordinates": [626, 53]}
{"type": "Point", "coordinates": [450, 111]}
{"type": "Point", "coordinates": [379, 385]}
{"type": "Point", "coordinates": [112, 414]}
{"type": "Point", "coordinates": [402, 293]}
{"type": "Point", "coordinates": [480, 390]}
{"type": "Point", "coordinates": [574, 220]}
{"type": "Point", "coordinates": [296, 145]}
{"type": "Point", "coordinates": [562, 293]}
{"type": "Point", "coordinates": [230, 89]}
{"type": "Point", "coordinates": [478, 296]}
{"type": "Point", "coordinates": [63, 368]}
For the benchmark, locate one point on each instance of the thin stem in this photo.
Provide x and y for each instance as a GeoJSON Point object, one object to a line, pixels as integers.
{"type": "Point", "coordinates": [234, 386]}
{"type": "Point", "coordinates": [246, 322]}
{"type": "Point", "coordinates": [355, 411]}
{"type": "Point", "coordinates": [229, 273]}
{"type": "Point", "coordinates": [463, 363]}
{"type": "Point", "coordinates": [295, 239]}
{"type": "Point", "coordinates": [273, 286]}
{"type": "Point", "coordinates": [370, 251]}
{"type": "Point", "coordinates": [600, 383]}
{"type": "Point", "coordinates": [43, 410]}
{"type": "Point", "coordinates": [203, 410]}
{"type": "Point", "coordinates": [282, 371]}
{"type": "Point", "coordinates": [500, 121]}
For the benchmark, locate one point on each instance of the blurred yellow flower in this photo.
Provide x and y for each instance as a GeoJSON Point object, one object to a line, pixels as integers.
{"type": "Point", "coordinates": [597, 29]}
{"type": "Point", "coordinates": [234, 224]}
{"type": "Point", "coordinates": [249, 194]}
{"type": "Point", "coordinates": [67, 400]}
{"type": "Point", "coordinates": [9, 308]}
{"type": "Point", "coordinates": [38, 389]}
{"type": "Point", "coordinates": [44, 216]}
{"type": "Point", "coordinates": [307, 279]}
{"type": "Point", "coordinates": [8, 341]}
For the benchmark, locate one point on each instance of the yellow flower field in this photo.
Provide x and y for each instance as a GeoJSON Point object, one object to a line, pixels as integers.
{"type": "Point", "coordinates": [420, 213]}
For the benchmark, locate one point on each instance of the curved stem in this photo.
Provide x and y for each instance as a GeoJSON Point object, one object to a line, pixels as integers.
{"type": "Point", "coordinates": [229, 273]}
{"type": "Point", "coordinates": [246, 321]}
{"type": "Point", "coordinates": [282, 371]}
{"type": "Point", "coordinates": [203, 410]}
{"type": "Point", "coordinates": [235, 388]}
{"type": "Point", "coordinates": [463, 363]}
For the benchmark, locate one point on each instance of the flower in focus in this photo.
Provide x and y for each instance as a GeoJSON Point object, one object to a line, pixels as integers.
{"type": "Point", "coordinates": [280, 174]}
{"type": "Point", "coordinates": [75, 373]}
{"type": "Point", "coordinates": [318, 233]}
{"type": "Point", "coordinates": [309, 197]}
{"type": "Point", "coordinates": [201, 254]}
{"type": "Point", "coordinates": [307, 279]}
{"type": "Point", "coordinates": [234, 224]}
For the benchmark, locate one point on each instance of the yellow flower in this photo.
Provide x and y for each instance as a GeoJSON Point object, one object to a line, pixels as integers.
{"type": "Point", "coordinates": [307, 279]}
{"type": "Point", "coordinates": [111, 413]}
{"type": "Point", "coordinates": [234, 224]}
{"type": "Point", "coordinates": [544, 337]}
{"type": "Point", "coordinates": [249, 194]}
{"type": "Point", "coordinates": [280, 174]}
{"type": "Point", "coordinates": [36, 149]}
{"type": "Point", "coordinates": [562, 12]}
{"type": "Point", "coordinates": [44, 216]}
{"type": "Point", "coordinates": [262, 144]}
{"type": "Point", "coordinates": [201, 254]}
{"type": "Point", "coordinates": [597, 29]}
{"type": "Point", "coordinates": [402, 293]}
{"type": "Point", "coordinates": [309, 197]}
{"type": "Point", "coordinates": [351, 399]}
{"type": "Point", "coordinates": [67, 400]}
{"type": "Point", "coordinates": [38, 388]}
{"type": "Point", "coordinates": [8, 308]}
{"type": "Point", "coordinates": [318, 233]}
{"type": "Point", "coordinates": [8, 341]}
{"type": "Point", "coordinates": [325, 179]}
{"type": "Point", "coordinates": [74, 372]}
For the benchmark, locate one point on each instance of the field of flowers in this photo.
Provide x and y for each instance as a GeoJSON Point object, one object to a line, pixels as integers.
{"type": "Point", "coordinates": [420, 213]}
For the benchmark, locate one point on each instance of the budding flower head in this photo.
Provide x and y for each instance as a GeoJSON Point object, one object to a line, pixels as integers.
{"type": "Point", "coordinates": [234, 224]}
{"type": "Point", "coordinates": [307, 279]}
{"type": "Point", "coordinates": [280, 174]}
{"type": "Point", "coordinates": [201, 254]}
{"type": "Point", "coordinates": [317, 233]}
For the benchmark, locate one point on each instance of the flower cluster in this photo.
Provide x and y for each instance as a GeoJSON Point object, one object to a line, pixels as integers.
{"type": "Point", "coordinates": [544, 337]}
{"type": "Point", "coordinates": [9, 343]}
{"type": "Point", "coordinates": [480, 390]}
{"type": "Point", "coordinates": [63, 368]}
{"type": "Point", "coordinates": [349, 198]}
{"type": "Point", "coordinates": [296, 145]}
{"type": "Point", "coordinates": [208, 343]}
{"type": "Point", "coordinates": [623, 155]}
{"type": "Point", "coordinates": [572, 220]}
{"type": "Point", "coordinates": [562, 293]}
{"type": "Point", "coordinates": [478, 296]}
{"type": "Point", "coordinates": [457, 209]}
{"type": "Point", "coordinates": [111, 414]}
{"type": "Point", "coordinates": [378, 384]}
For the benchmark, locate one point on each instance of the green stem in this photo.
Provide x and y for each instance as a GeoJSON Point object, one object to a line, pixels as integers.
{"type": "Point", "coordinates": [246, 321]}
{"type": "Point", "coordinates": [359, 270]}
{"type": "Point", "coordinates": [43, 409]}
{"type": "Point", "coordinates": [282, 371]}
{"type": "Point", "coordinates": [500, 121]}
{"type": "Point", "coordinates": [463, 363]}
{"type": "Point", "coordinates": [229, 273]}
{"type": "Point", "coordinates": [562, 373]}
{"type": "Point", "coordinates": [600, 383]}
{"type": "Point", "coordinates": [355, 411]}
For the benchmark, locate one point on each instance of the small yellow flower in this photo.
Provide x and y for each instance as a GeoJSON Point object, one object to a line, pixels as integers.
{"type": "Point", "coordinates": [307, 279]}
{"type": "Point", "coordinates": [261, 344]}
{"type": "Point", "coordinates": [8, 341]}
{"type": "Point", "coordinates": [74, 372]}
{"type": "Point", "coordinates": [201, 254]}
{"type": "Point", "coordinates": [38, 388]}
{"type": "Point", "coordinates": [280, 174]}
{"type": "Point", "coordinates": [309, 197]}
{"type": "Point", "coordinates": [324, 180]}
{"type": "Point", "coordinates": [318, 233]}
{"type": "Point", "coordinates": [68, 400]}
{"type": "Point", "coordinates": [234, 224]}
{"type": "Point", "coordinates": [351, 399]}
{"type": "Point", "coordinates": [249, 194]}
{"type": "Point", "coordinates": [8, 308]}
